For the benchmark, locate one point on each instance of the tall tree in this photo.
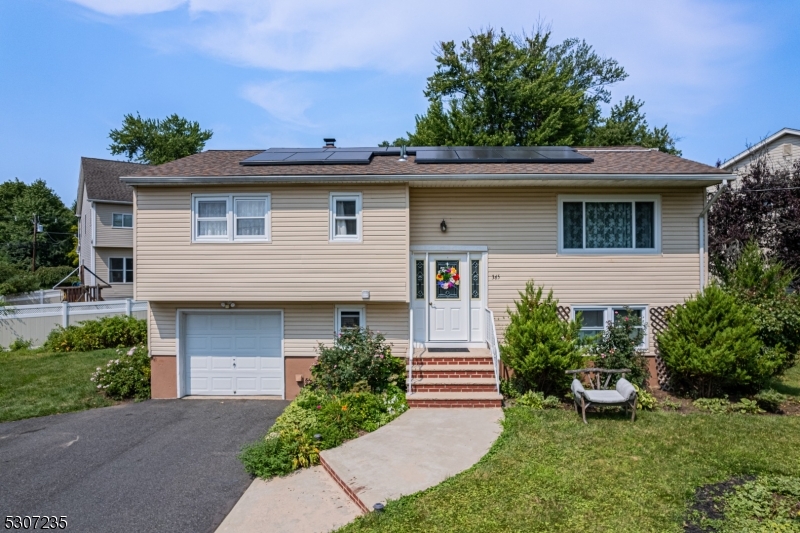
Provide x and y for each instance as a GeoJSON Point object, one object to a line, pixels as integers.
{"type": "Point", "coordinates": [499, 89]}
{"type": "Point", "coordinates": [764, 207]}
{"type": "Point", "coordinates": [155, 141]}
{"type": "Point", "coordinates": [19, 204]}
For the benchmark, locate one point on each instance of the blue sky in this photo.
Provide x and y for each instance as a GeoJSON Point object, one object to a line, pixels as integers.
{"type": "Point", "coordinates": [288, 73]}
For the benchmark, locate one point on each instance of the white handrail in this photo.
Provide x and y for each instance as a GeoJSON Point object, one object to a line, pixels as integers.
{"type": "Point", "coordinates": [410, 347]}
{"type": "Point", "coordinates": [491, 339]}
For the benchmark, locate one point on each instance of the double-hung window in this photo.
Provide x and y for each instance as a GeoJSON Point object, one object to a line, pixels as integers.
{"type": "Point", "coordinates": [231, 218]}
{"type": "Point", "coordinates": [609, 224]}
{"type": "Point", "coordinates": [594, 320]}
{"type": "Point", "coordinates": [121, 220]}
{"type": "Point", "coordinates": [120, 269]}
{"type": "Point", "coordinates": [345, 217]}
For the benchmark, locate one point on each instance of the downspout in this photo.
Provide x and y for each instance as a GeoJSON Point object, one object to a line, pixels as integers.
{"type": "Point", "coordinates": [702, 224]}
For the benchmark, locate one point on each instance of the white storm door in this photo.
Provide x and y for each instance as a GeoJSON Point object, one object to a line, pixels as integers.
{"type": "Point", "coordinates": [234, 353]}
{"type": "Point", "coordinates": [448, 299]}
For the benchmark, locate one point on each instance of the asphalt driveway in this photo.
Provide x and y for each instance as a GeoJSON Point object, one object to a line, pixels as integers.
{"type": "Point", "coordinates": [160, 465]}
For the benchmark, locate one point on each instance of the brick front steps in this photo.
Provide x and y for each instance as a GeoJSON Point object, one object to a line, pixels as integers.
{"type": "Point", "coordinates": [453, 379]}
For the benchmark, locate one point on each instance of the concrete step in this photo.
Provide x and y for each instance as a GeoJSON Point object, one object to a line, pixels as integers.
{"type": "Point", "coordinates": [454, 399]}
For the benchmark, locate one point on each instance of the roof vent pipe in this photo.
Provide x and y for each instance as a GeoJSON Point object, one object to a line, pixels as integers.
{"type": "Point", "coordinates": [330, 142]}
{"type": "Point", "coordinates": [403, 156]}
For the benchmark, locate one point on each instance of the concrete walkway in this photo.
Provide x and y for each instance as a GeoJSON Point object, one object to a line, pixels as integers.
{"type": "Point", "coordinates": [418, 450]}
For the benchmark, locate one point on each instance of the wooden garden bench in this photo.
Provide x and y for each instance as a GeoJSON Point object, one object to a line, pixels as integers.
{"type": "Point", "coordinates": [624, 394]}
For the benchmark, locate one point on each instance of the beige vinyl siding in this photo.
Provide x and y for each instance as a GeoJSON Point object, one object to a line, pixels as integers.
{"type": "Point", "coordinates": [520, 228]}
{"type": "Point", "coordinates": [117, 290]}
{"type": "Point", "coordinates": [305, 324]}
{"type": "Point", "coordinates": [774, 154]}
{"type": "Point", "coordinates": [299, 263]}
{"type": "Point", "coordinates": [107, 235]}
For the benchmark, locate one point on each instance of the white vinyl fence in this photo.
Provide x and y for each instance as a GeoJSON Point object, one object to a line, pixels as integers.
{"type": "Point", "coordinates": [35, 322]}
{"type": "Point", "coordinates": [35, 297]}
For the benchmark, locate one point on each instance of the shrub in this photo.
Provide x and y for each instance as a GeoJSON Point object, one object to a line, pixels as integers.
{"type": "Point", "coordinates": [715, 406]}
{"type": "Point", "coordinates": [618, 347]}
{"type": "Point", "coordinates": [20, 344]}
{"type": "Point", "coordinates": [291, 442]}
{"type": "Point", "coordinates": [770, 400]}
{"type": "Point", "coordinates": [127, 376]}
{"type": "Point", "coordinates": [539, 347]}
{"type": "Point", "coordinates": [357, 355]}
{"type": "Point", "coordinates": [644, 399]}
{"type": "Point", "coordinates": [109, 332]}
{"type": "Point", "coordinates": [711, 345]}
{"type": "Point", "coordinates": [538, 401]}
{"type": "Point", "coordinates": [765, 285]}
{"type": "Point", "coordinates": [746, 407]}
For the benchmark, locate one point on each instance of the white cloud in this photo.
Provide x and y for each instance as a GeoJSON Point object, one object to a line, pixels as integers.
{"type": "Point", "coordinates": [283, 99]}
{"type": "Point", "coordinates": [685, 53]}
{"type": "Point", "coordinates": [129, 7]}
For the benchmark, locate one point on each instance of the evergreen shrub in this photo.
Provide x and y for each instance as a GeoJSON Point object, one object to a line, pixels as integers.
{"type": "Point", "coordinates": [538, 346]}
{"type": "Point", "coordinates": [108, 332]}
{"type": "Point", "coordinates": [712, 345]}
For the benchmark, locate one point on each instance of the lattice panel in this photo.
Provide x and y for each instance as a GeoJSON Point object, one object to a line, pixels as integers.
{"type": "Point", "coordinates": [658, 323]}
{"type": "Point", "coordinates": [564, 312]}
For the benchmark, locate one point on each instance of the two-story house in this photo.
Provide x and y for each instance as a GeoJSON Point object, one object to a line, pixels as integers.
{"type": "Point", "coordinates": [105, 224]}
{"type": "Point", "coordinates": [249, 259]}
{"type": "Point", "coordinates": [781, 150]}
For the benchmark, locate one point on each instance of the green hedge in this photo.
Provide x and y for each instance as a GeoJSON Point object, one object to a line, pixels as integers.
{"type": "Point", "coordinates": [108, 332]}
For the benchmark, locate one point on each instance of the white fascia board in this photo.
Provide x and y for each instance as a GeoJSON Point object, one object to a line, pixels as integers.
{"type": "Point", "coordinates": [756, 147]}
{"type": "Point", "coordinates": [708, 179]}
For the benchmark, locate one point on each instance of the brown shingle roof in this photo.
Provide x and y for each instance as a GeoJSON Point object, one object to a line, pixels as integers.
{"type": "Point", "coordinates": [609, 160]}
{"type": "Point", "coordinates": [101, 177]}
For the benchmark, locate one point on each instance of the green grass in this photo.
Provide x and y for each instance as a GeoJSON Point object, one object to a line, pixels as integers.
{"type": "Point", "coordinates": [789, 382]}
{"type": "Point", "coordinates": [39, 383]}
{"type": "Point", "coordinates": [549, 472]}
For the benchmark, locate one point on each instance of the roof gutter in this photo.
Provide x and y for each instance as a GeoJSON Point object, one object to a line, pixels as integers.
{"type": "Point", "coordinates": [708, 179]}
{"type": "Point", "coordinates": [702, 224]}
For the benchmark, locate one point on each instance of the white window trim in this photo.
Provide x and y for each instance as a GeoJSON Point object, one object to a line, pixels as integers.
{"type": "Point", "coordinates": [332, 237]}
{"type": "Point", "coordinates": [230, 203]}
{"type": "Point", "coordinates": [608, 316]}
{"type": "Point", "coordinates": [124, 270]}
{"type": "Point", "coordinates": [655, 198]}
{"type": "Point", "coordinates": [123, 220]}
{"type": "Point", "coordinates": [338, 318]}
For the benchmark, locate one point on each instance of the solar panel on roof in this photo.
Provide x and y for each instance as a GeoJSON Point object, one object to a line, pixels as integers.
{"type": "Point", "coordinates": [424, 155]}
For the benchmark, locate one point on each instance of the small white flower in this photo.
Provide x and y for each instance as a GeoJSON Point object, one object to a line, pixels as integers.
{"type": "Point", "coordinates": [91, 379]}
{"type": "Point", "coordinates": [99, 386]}
{"type": "Point", "coordinates": [130, 352]}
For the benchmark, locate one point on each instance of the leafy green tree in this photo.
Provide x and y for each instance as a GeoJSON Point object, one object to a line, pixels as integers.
{"type": "Point", "coordinates": [506, 90]}
{"type": "Point", "coordinates": [765, 284]}
{"type": "Point", "coordinates": [711, 345]}
{"type": "Point", "coordinates": [538, 346]}
{"type": "Point", "coordinates": [19, 203]}
{"type": "Point", "coordinates": [155, 141]}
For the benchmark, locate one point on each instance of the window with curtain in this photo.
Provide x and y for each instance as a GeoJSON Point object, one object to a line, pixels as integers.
{"type": "Point", "coordinates": [231, 218]}
{"type": "Point", "coordinates": [606, 225]}
{"type": "Point", "coordinates": [345, 217]}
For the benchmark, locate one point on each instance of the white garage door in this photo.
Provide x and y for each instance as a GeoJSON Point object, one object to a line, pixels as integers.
{"type": "Point", "coordinates": [234, 353]}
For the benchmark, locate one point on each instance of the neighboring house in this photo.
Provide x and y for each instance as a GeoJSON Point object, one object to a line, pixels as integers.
{"type": "Point", "coordinates": [105, 232]}
{"type": "Point", "coordinates": [781, 150]}
{"type": "Point", "coordinates": [249, 259]}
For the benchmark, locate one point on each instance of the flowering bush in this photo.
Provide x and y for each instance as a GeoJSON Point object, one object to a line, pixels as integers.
{"type": "Point", "coordinates": [619, 347]}
{"type": "Point", "coordinates": [317, 420]}
{"type": "Point", "coordinates": [127, 376]}
{"type": "Point", "coordinates": [358, 358]}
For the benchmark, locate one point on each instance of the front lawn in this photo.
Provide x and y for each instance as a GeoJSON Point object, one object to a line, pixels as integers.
{"type": "Point", "coordinates": [549, 472]}
{"type": "Point", "coordinates": [39, 383]}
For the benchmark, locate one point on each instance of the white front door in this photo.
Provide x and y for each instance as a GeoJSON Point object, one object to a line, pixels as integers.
{"type": "Point", "coordinates": [234, 353]}
{"type": "Point", "coordinates": [448, 289]}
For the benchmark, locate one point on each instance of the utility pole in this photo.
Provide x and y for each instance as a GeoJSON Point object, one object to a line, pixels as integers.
{"type": "Point", "coordinates": [35, 227]}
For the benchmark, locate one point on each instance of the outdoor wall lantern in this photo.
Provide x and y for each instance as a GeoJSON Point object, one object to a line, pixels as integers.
{"type": "Point", "coordinates": [443, 225]}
